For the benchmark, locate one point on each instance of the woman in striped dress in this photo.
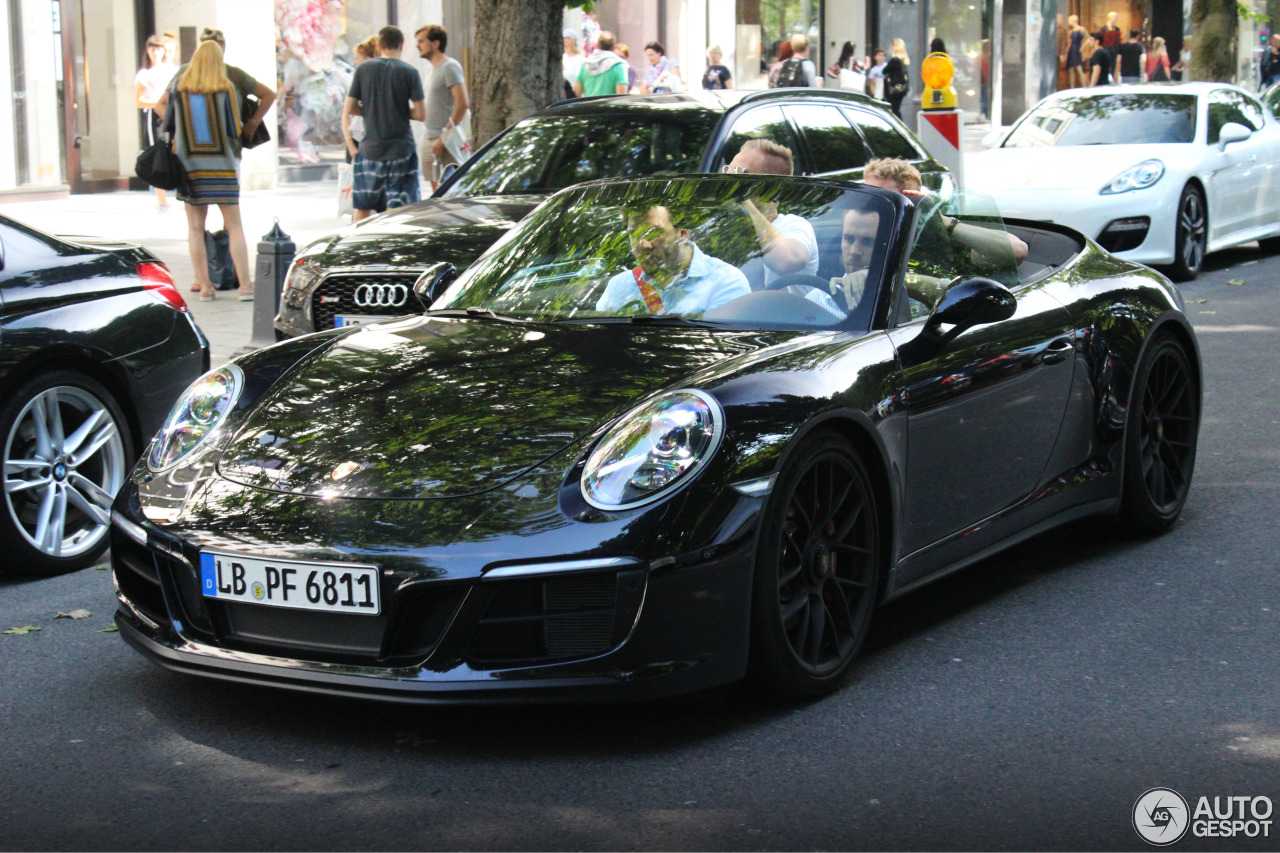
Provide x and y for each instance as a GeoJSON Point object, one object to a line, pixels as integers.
{"type": "Point", "coordinates": [207, 141]}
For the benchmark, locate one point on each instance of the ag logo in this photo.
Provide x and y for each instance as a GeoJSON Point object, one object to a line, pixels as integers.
{"type": "Point", "coordinates": [1161, 816]}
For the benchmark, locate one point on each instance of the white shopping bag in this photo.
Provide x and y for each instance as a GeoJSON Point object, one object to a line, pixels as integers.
{"type": "Point", "coordinates": [457, 139]}
{"type": "Point", "coordinates": [346, 177]}
{"type": "Point", "coordinates": [854, 81]}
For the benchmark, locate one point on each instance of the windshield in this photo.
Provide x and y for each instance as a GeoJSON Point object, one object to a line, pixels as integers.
{"type": "Point", "coordinates": [742, 250]}
{"type": "Point", "coordinates": [1132, 118]}
{"type": "Point", "coordinates": [553, 152]}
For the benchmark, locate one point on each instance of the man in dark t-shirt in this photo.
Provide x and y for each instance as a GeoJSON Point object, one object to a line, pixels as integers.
{"type": "Point", "coordinates": [388, 93]}
{"type": "Point", "coordinates": [1100, 66]}
{"type": "Point", "coordinates": [1131, 58]}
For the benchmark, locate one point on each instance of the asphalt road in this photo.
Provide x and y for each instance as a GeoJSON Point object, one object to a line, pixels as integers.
{"type": "Point", "coordinates": [1025, 703]}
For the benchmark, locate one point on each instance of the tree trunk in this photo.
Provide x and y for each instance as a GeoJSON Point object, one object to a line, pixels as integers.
{"type": "Point", "coordinates": [516, 66]}
{"type": "Point", "coordinates": [1214, 24]}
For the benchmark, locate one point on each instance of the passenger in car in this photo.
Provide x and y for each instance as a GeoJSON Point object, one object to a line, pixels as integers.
{"type": "Point", "coordinates": [787, 241]}
{"type": "Point", "coordinates": [674, 276]}
{"type": "Point", "coordinates": [900, 176]}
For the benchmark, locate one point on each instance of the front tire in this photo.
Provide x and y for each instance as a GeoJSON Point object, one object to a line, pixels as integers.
{"type": "Point", "coordinates": [1191, 235]}
{"type": "Point", "coordinates": [817, 570]}
{"type": "Point", "coordinates": [66, 451]}
{"type": "Point", "coordinates": [1161, 430]}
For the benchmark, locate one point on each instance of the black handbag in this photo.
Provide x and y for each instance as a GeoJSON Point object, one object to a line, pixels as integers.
{"type": "Point", "coordinates": [249, 106]}
{"type": "Point", "coordinates": [157, 164]}
{"type": "Point", "coordinates": [222, 271]}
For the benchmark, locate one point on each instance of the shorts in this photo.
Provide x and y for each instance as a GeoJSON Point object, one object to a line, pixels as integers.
{"type": "Point", "coordinates": [381, 184]}
{"type": "Point", "coordinates": [433, 166]}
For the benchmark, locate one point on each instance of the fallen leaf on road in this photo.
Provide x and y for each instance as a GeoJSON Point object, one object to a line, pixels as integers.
{"type": "Point", "coordinates": [78, 613]}
{"type": "Point", "coordinates": [110, 629]}
{"type": "Point", "coordinates": [1208, 312]}
{"type": "Point", "coordinates": [25, 629]}
{"type": "Point", "coordinates": [1236, 282]}
{"type": "Point", "coordinates": [1196, 301]}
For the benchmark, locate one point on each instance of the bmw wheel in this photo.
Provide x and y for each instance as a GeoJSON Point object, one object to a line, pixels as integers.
{"type": "Point", "coordinates": [1160, 438]}
{"type": "Point", "coordinates": [66, 454]}
{"type": "Point", "coordinates": [816, 570]}
{"type": "Point", "coordinates": [1191, 235]}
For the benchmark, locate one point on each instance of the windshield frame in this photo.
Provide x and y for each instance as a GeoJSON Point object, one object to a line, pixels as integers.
{"type": "Point", "coordinates": [864, 318]}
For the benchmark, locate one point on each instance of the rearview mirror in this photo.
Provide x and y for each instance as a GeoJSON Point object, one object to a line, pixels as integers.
{"type": "Point", "coordinates": [433, 281]}
{"type": "Point", "coordinates": [1232, 131]}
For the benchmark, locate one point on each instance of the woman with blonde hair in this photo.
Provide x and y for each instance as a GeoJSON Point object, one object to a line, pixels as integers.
{"type": "Point", "coordinates": [207, 141]}
{"type": "Point", "coordinates": [1158, 62]}
{"type": "Point", "coordinates": [899, 49]}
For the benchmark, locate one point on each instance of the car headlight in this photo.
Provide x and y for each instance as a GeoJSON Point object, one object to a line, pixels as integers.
{"type": "Point", "coordinates": [1138, 177]}
{"type": "Point", "coordinates": [301, 276]}
{"type": "Point", "coordinates": [655, 448]}
{"type": "Point", "coordinates": [198, 412]}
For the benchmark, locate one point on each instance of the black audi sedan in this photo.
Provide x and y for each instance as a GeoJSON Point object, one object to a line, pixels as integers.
{"type": "Point", "coordinates": [95, 345]}
{"type": "Point", "coordinates": [612, 461]}
{"type": "Point", "coordinates": [367, 271]}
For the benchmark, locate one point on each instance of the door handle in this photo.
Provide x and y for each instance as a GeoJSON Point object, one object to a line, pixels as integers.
{"type": "Point", "coordinates": [1058, 350]}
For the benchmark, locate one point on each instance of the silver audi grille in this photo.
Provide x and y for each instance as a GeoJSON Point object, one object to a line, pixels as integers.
{"type": "Point", "coordinates": [387, 294]}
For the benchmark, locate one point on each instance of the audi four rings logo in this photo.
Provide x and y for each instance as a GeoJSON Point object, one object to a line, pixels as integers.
{"type": "Point", "coordinates": [381, 295]}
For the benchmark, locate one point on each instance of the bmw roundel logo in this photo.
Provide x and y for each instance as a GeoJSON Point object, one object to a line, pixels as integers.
{"type": "Point", "coordinates": [381, 295]}
{"type": "Point", "coordinates": [59, 471]}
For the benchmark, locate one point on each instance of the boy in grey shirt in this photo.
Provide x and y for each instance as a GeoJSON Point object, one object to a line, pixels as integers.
{"type": "Point", "coordinates": [446, 99]}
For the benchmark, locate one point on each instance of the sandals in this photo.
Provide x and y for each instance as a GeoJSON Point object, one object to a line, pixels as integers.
{"type": "Point", "coordinates": [246, 296]}
{"type": "Point", "coordinates": [208, 296]}
{"type": "Point", "coordinates": [195, 288]}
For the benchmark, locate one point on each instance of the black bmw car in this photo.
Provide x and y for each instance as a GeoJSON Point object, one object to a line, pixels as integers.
{"type": "Point", "coordinates": [616, 459]}
{"type": "Point", "coordinates": [95, 345]}
{"type": "Point", "coordinates": [367, 271]}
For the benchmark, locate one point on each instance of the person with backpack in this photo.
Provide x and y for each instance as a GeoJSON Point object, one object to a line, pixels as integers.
{"type": "Point", "coordinates": [799, 70]}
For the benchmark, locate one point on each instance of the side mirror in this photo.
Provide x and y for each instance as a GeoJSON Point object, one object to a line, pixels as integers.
{"type": "Point", "coordinates": [432, 283]}
{"type": "Point", "coordinates": [992, 139]}
{"type": "Point", "coordinates": [972, 302]}
{"type": "Point", "coordinates": [1232, 131]}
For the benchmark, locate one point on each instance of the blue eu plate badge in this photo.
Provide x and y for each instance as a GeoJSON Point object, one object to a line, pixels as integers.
{"type": "Point", "coordinates": [208, 575]}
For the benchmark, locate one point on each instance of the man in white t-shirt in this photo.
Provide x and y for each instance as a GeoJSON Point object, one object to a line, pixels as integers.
{"type": "Point", "coordinates": [789, 245]}
{"type": "Point", "coordinates": [446, 95]}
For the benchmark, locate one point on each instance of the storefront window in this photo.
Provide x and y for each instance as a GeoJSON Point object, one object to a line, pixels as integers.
{"type": "Point", "coordinates": [965, 27]}
{"type": "Point", "coordinates": [31, 40]}
{"type": "Point", "coordinates": [315, 52]}
{"type": "Point", "coordinates": [769, 24]}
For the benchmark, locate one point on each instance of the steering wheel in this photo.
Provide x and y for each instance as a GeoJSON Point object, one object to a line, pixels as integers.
{"type": "Point", "coordinates": [800, 278]}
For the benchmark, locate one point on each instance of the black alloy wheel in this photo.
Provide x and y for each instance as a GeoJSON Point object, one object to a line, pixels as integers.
{"type": "Point", "coordinates": [816, 570]}
{"type": "Point", "coordinates": [1191, 235]}
{"type": "Point", "coordinates": [1160, 439]}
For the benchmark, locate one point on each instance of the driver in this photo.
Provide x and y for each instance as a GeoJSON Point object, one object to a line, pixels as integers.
{"type": "Point", "coordinates": [857, 243]}
{"type": "Point", "coordinates": [674, 276]}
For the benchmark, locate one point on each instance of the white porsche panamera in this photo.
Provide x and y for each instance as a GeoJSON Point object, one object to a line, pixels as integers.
{"type": "Point", "coordinates": [1157, 173]}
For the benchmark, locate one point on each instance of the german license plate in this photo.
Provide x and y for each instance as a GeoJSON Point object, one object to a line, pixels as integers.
{"type": "Point", "coordinates": [331, 587]}
{"type": "Point", "coordinates": [344, 320]}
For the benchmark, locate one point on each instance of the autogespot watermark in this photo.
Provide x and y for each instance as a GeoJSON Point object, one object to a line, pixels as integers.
{"type": "Point", "coordinates": [1162, 816]}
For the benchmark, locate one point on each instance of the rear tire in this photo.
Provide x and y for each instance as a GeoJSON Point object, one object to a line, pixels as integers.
{"type": "Point", "coordinates": [1191, 235]}
{"type": "Point", "coordinates": [1161, 430]}
{"type": "Point", "coordinates": [817, 570]}
{"type": "Point", "coordinates": [66, 452]}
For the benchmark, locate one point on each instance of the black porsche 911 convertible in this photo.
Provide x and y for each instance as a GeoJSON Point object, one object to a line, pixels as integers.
{"type": "Point", "coordinates": [645, 446]}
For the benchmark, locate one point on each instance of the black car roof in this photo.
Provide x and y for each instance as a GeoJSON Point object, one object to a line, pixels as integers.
{"type": "Point", "coordinates": [718, 101]}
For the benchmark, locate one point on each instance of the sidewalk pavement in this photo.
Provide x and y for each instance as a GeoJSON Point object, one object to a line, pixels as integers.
{"type": "Point", "coordinates": [306, 211]}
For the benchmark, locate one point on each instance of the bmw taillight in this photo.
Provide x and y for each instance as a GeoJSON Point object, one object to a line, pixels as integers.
{"type": "Point", "coordinates": [159, 283]}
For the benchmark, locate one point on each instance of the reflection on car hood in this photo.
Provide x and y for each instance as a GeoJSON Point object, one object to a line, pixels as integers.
{"type": "Point", "coordinates": [442, 407]}
{"type": "Point", "coordinates": [439, 229]}
{"type": "Point", "coordinates": [1069, 167]}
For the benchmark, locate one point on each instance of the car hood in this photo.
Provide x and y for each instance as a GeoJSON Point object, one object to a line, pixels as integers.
{"type": "Point", "coordinates": [456, 230]}
{"type": "Point", "coordinates": [1069, 167]}
{"type": "Point", "coordinates": [433, 407]}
